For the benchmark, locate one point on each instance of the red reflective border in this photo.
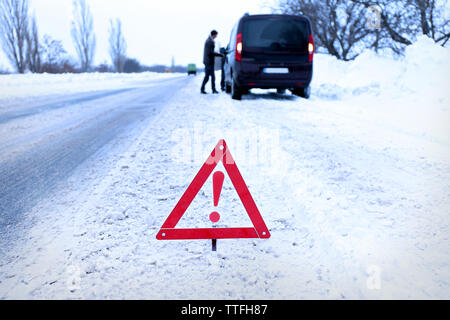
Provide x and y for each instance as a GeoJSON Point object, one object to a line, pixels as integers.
{"type": "Point", "coordinates": [210, 233]}
{"type": "Point", "coordinates": [219, 154]}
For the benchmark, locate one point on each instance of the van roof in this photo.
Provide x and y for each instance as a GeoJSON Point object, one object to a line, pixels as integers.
{"type": "Point", "coordinates": [247, 15]}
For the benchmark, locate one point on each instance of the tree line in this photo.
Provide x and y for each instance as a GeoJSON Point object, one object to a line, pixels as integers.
{"type": "Point", "coordinates": [27, 51]}
{"type": "Point", "coordinates": [344, 28]}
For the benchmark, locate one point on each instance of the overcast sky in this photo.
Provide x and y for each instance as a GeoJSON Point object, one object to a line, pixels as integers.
{"type": "Point", "coordinates": [155, 30]}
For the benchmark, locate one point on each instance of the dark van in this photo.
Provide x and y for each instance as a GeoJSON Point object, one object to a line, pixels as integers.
{"type": "Point", "coordinates": [270, 52]}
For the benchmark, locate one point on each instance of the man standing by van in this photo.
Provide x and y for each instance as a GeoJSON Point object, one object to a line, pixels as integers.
{"type": "Point", "coordinates": [209, 56]}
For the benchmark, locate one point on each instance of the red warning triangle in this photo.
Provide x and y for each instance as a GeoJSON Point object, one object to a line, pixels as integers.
{"type": "Point", "coordinates": [259, 229]}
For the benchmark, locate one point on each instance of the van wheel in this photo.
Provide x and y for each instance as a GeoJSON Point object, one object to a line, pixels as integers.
{"type": "Point", "coordinates": [302, 92]}
{"type": "Point", "coordinates": [236, 92]}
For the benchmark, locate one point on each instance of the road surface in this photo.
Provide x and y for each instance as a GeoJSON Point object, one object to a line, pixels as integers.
{"type": "Point", "coordinates": [44, 141]}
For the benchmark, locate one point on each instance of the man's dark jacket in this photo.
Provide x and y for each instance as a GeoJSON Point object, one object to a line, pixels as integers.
{"type": "Point", "coordinates": [209, 54]}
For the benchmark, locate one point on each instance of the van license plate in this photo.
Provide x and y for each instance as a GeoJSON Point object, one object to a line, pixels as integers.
{"type": "Point", "coordinates": [276, 70]}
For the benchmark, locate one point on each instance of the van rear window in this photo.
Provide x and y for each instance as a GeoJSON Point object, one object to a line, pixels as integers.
{"type": "Point", "coordinates": [276, 34]}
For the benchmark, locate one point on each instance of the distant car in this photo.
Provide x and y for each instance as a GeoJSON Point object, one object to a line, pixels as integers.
{"type": "Point", "coordinates": [270, 52]}
{"type": "Point", "coordinates": [192, 69]}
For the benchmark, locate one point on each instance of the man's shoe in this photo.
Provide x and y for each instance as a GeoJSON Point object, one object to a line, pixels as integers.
{"type": "Point", "coordinates": [203, 92]}
{"type": "Point", "coordinates": [215, 92]}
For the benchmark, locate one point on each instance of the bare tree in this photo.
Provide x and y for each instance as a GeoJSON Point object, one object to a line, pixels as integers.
{"type": "Point", "coordinates": [54, 57]}
{"type": "Point", "coordinates": [339, 26]}
{"type": "Point", "coordinates": [403, 20]}
{"type": "Point", "coordinates": [34, 48]}
{"type": "Point", "coordinates": [117, 45]}
{"type": "Point", "coordinates": [13, 31]}
{"type": "Point", "coordinates": [52, 50]}
{"type": "Point", "coordinates": [433, 23]}
{"type": "Point", "coordinates": [394, 23]}
{"type": "Point", "coordinates": [83, 33]}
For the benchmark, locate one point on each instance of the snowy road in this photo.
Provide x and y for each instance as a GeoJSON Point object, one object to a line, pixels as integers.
{"type": "Point", "coordinates": [43, 141]}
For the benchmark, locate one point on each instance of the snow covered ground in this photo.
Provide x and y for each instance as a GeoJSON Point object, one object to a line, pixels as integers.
{"type": "Point", "coordinates": [31, 85]}
{"type": "Point", "coordinates": [354, 185]}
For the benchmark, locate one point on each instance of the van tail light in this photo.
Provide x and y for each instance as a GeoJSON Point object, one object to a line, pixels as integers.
{"type": "Point", "coordinates": [239, 47]}
{"type": "Point", "coordinates": [311, 48]}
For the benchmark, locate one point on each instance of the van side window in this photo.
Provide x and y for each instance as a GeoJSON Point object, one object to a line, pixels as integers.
{"type": "Point", "coordinates": [232, 43]}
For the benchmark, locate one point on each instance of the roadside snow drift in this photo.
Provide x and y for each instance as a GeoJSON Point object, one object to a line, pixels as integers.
{"type": "Point", "coordinates": [353, 185]}
{"type": "Point", "coordinates": [22, 86]}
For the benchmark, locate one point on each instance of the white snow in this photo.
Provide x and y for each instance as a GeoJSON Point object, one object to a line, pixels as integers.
{"type": "Point", "coordinates": [15, 86]}
{"type": "Point", "coordinates": [353, 185]}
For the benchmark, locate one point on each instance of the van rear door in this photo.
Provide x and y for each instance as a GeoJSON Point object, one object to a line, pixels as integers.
{"type": "Point", "coordinates": [276, 39]}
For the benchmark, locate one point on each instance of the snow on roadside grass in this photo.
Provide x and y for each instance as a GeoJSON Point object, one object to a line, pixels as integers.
{"type": "Point", "coordinates": [354, 188]}
{"type": "Point", "coordinates": [15, 86]}
{"type": "Point", "coordinates": [410, 96]}
{"type": "Point", "coordinates": [424, 70]}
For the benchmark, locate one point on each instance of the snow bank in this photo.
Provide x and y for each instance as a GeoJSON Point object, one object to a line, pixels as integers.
{"type": "Point", "coordinates": [424, 68]}
{"type": "Point", "coordinates": [28, 85]}
{"type": "Point", "coordinates": [410, 93]}
{"type": "Point", "coordinates": [427, 68]}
